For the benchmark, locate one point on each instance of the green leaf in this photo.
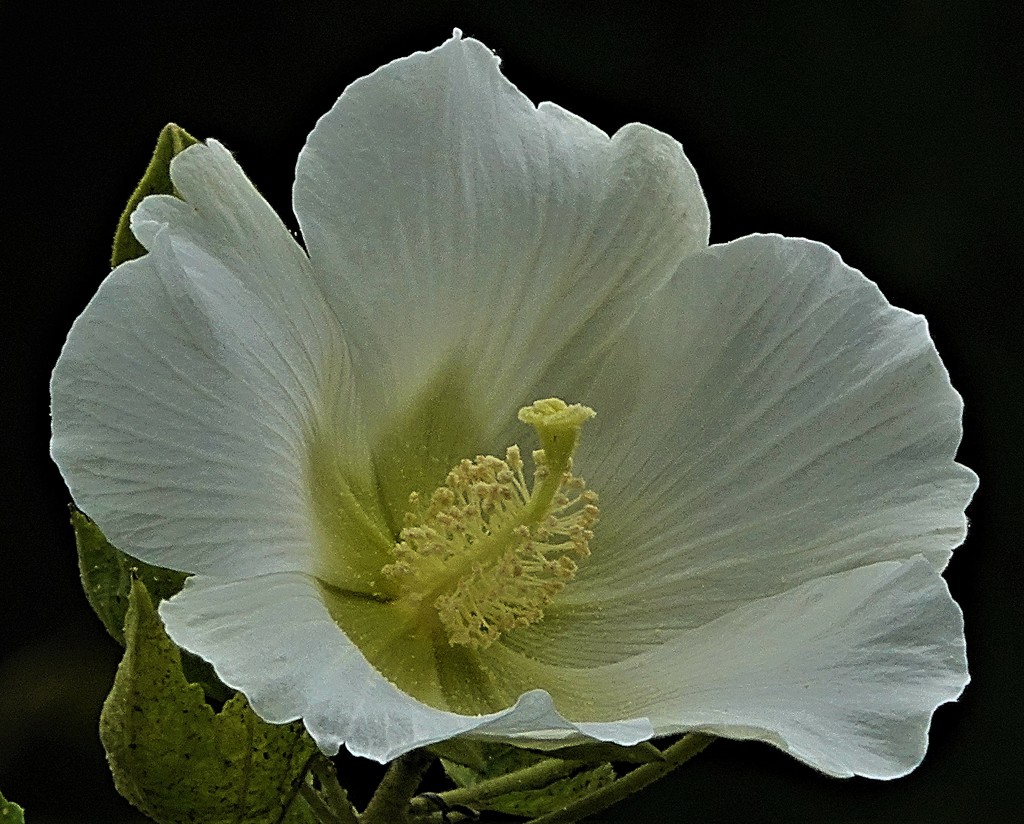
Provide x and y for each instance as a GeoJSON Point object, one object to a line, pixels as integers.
{"type": "Point", "coordinates": [178, 760]}
{"type": "Point", "coordinates": [173, 141]}
{"type": "Point", "coordinates": [501, 759]}
{"type": "Point", "coordinates": [10, 813]}
{"type": "Point", "coordinates": [107, 574]}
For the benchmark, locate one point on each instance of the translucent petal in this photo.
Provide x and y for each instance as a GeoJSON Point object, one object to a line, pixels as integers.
{"type": "Point", "coordinates": [190, 389]}
{"type": "Point", "coordinates": [464, 234]}
{"type": "Point", "coordinates": [843, 672]}
{"type": "Point", "coordinates": [273, 638]}
{"type": "Point", "coordinates": [767, 418]}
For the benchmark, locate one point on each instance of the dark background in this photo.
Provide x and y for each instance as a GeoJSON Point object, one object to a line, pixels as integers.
{"type": "Point", "coordinates": [888, 130]}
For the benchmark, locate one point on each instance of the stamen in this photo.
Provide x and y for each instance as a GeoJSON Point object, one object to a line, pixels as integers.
{"type": "Point", "coordinates": [488, 552]}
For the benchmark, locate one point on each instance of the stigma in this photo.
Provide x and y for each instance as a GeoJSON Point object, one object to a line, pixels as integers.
{"type": "Point", "coordinates": [488, 550]}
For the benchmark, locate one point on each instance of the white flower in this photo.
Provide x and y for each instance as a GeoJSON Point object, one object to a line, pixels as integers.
{"type": "Point", "coordinates": [772, 453]}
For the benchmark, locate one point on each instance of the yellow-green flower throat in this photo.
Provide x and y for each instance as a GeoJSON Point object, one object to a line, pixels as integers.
{"type": "Point", "coordinates": [487, 551]}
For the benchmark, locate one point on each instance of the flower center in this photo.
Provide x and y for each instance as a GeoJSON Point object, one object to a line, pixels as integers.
{"type": "Point", "coordinates": [486, 550]}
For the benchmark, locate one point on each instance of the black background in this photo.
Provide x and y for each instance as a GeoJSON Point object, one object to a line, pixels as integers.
{"type": "Point", "coordinates": [888, 130]}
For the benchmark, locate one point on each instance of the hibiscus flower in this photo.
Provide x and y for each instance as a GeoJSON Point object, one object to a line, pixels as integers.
{"type": "Point", "coordinates": [506, 450]}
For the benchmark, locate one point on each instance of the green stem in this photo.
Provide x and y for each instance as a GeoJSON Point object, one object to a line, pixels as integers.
{"type": "Point", "coordinates": [334, 794]}
{"type": "Point", "coordinates": [683, 750]}
{"type": "Point", "coordinates": [529, 778]}
{"type": "Point", "coordinates": [390, 804]}
{"type": "Point", "coordinates": [321, 812]}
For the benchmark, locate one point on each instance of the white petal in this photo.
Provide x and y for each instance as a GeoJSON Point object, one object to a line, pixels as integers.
{"type": "Point", "coordinates": [843, 672]}
{"type": "Point", "coordinates": [767, 419]}
{"type": "Point", "coordinates": [186, 395]}
{"type": "Point", "coordinates": [463, 234]}
{"type": "Point", "coordinates": [273, 639]}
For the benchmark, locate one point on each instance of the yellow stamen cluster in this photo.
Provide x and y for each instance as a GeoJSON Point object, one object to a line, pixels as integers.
{"type": "Point", "coordinates": [486, 551]}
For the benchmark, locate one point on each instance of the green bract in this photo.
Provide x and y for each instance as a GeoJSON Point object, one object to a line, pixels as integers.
{"type": "Point", "coordinates": [747, 538]}
{"type": "Point", "coordinates": [107, 575]}
{"type": "Point", "coordinates": [173, 141]}
{"type": "Point", "coordinates": [175, 758]}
